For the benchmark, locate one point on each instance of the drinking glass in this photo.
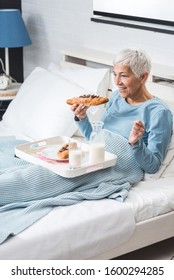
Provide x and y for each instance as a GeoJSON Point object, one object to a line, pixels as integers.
{"type": "Point", "coordinates": [75, 154]}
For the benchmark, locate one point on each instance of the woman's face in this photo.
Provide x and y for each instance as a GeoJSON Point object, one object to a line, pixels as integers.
{"type": "Point", "coordinates": [129, 85]}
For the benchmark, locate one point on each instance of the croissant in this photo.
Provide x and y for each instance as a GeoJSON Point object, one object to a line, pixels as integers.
{"type": "Point", "coordinates": [88, 100]}
{"type": "Point", "coordinates": [63, 153]}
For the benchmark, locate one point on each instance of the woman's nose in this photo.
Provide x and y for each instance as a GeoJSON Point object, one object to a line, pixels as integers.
{"type": "Point", "coordinates": [117, 80]}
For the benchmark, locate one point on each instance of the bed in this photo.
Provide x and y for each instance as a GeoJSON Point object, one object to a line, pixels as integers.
{"type": "Point", "coordinates": [98, 229]}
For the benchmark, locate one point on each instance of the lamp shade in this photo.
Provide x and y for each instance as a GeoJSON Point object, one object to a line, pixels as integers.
{"type": "Point", "coordinates": [13, 32]}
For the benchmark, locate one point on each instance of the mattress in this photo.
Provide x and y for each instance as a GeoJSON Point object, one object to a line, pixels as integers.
{"type": "Point", "coordinates": [90, 228]}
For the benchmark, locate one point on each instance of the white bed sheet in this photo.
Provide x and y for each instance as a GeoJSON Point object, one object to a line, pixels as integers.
{"type": "Point", "coordinates": [89, 228]}
{"type": "Point", "coordinates": [6, 131]}
{"type": "Point", "coordinates": [151, 198]}
{"type": "Point", "coordinates": [81, 231]}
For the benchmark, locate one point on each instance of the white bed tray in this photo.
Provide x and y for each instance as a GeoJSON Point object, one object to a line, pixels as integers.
{"type": "Point", "coordinates": [33, 152]}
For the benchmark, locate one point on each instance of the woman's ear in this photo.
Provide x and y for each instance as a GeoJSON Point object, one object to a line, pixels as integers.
{"type": "Point", "coordinates": [144, 77]}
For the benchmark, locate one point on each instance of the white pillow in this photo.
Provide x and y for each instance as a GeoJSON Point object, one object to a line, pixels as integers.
{"type": "Point", "coordinates": [166, 93]}
{"type": "Point", "coordinates": [93, 80]}
{"type": "Point", "coordinates": [39, 110]}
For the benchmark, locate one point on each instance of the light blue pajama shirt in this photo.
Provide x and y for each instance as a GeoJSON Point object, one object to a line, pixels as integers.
{"type": "Point", "coordinates": [119, 116]}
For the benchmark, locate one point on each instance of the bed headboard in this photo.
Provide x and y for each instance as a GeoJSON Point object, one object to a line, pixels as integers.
{"type": "Point", "coordinates": [160, 82]}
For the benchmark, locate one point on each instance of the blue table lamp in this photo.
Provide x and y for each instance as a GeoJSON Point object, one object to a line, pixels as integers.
{"type": "Point", "coordinates": [13, 33]}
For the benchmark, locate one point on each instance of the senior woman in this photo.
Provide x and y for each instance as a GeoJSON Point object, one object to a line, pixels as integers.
{"type": "Point", "coordinates": [134, 112]}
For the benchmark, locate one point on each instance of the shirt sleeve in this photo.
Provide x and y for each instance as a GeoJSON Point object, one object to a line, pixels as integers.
{"type": "Point", "coordinates": [150, 156]}
{"type": "Point", "coordinates": [85, 127]}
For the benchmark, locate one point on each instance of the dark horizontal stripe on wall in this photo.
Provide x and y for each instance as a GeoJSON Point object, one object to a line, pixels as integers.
{"type": "Point", "coordinates": [131, 25]}
{"type": "Point", "coordinates": [134, 18]}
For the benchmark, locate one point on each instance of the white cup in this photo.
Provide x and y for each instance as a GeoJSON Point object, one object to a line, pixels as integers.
{"type": "Point", "coordinates": [75, 154]}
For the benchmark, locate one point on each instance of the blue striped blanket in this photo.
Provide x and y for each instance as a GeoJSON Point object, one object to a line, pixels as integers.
{"type": "Point", "coordinates": [28, 191]}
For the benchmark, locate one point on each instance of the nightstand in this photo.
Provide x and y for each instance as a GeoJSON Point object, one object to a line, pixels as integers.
{"type": "Point", "coordinates": [6, 96]}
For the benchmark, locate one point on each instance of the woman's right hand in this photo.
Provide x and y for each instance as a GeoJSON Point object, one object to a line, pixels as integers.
{"type": "Point", "coordinates": [79, 111]}
{"type": "Point", "coordinates": [136, 132]}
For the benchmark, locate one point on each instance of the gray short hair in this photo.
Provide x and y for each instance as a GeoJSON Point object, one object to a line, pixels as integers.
{"type": "Point", "coordinates": [137, 60]}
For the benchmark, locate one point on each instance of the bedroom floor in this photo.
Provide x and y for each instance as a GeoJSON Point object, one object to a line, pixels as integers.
{"type": "Point", "coordinates": [163, 250]}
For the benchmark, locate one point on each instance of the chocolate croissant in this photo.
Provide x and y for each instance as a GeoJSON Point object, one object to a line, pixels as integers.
{"type": "Point", "coordinates": [63, 153]}
{"type": "Point", "coordinates": [88, 100]}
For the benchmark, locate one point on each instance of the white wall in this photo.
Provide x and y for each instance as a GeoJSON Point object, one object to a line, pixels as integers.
{"type": "Point", "coordinates": [58, 24]}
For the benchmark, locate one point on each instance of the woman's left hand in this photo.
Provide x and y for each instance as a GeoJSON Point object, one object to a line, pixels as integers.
{"type": "Point", "coordinates": [136, 132]}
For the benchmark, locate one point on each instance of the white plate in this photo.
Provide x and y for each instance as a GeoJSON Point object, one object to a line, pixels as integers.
{"type": "Point", "coordinates": [51, 153]}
